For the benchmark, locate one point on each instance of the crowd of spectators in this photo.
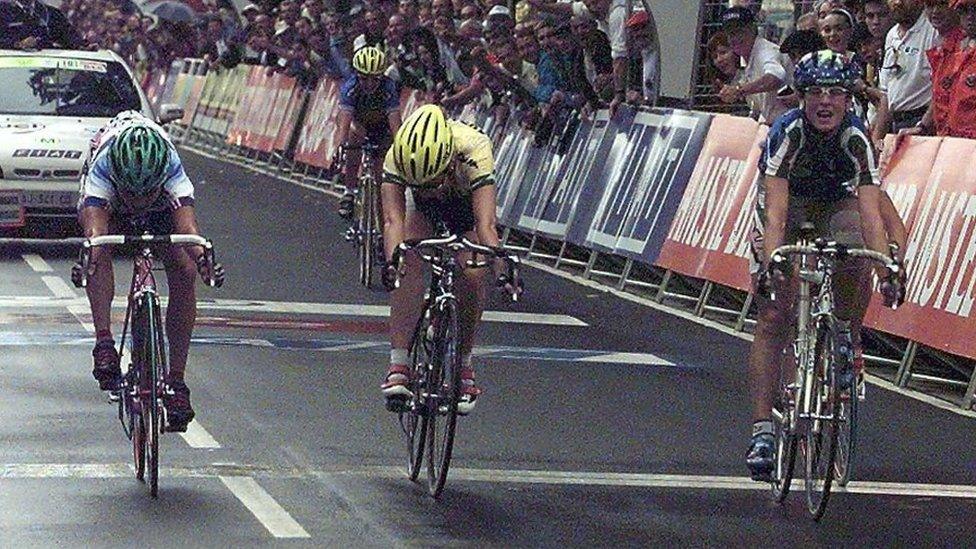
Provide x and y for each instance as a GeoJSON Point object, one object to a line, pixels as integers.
{"type": "Point", "coordinates": [917, 62]}
{"type": "Point", "coordinates": [565, 54]}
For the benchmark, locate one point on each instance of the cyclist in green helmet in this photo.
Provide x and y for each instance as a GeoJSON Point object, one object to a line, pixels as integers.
{"type": "Point", "coordinates": [134, 183]}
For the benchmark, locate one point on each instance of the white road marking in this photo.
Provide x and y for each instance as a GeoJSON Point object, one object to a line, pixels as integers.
{"type": "Point", "coordinates": [874, 380]}
{"type": "Point", "coordinates": [195, 436]}
{"type": "Point", "coordinates": [37, 263]}
{"type": "Point", "coordinates": [629, 358]}
{"type": "Point", "coordinates": [240, 479]}
{"type": "Point", "coordinates": [291, 307]}
{"type": "Point", "coordinates": [81, 313]}
{"type": "Point", "coordinates": [198, 437]}
{"type": "Point", "coordinates": [264, 508]}
{"type": "Point", "coordinates": [59, 287]}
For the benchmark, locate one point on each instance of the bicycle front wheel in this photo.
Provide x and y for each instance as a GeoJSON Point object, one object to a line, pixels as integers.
{"type": "Point", "coordinates": [820, 442]}
{"type": "Point", "coordinates": [367, 229]}
{"type": "Point", "coordinates": [415, 420]}
{"type": "Point", "coordinates": [150, 390]}
{"type": "Point", "coordinates": [445, 386]}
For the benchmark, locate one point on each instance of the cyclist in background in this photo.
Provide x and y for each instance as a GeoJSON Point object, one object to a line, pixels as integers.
{"type": "Point", "coordinates": [448, 168]}
{"type": "Point", "coordinates": [369, 107]}
{"type": "Point", "coordinates": [134, 181]}
{"type": "Point", "coordinates": [817, 166]}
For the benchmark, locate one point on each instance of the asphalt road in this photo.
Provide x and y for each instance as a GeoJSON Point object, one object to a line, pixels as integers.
{"type": "Point", "coordinates": [572, 444]}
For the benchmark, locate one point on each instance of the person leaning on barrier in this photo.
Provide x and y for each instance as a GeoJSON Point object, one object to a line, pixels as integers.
{"type": "Point", "coordinates": [817, 166]}
{"type": "Point", "coordinates": [952, 111]}
{"type": "Point", "coordinates": [31, 24]}
{"type": "Point", "coordinates": [906, 75]}
{"type": "Point", "coordinates": [764, 74]}
{"type": "Point", "coordinates": [644, 66]}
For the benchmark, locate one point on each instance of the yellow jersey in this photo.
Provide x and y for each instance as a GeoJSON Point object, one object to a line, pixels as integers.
{"type": "Point", "coordinates": [475, 166]}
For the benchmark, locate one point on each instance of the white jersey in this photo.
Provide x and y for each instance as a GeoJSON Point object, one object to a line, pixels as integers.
{"type": "Point", "coordinates": [97, 180]}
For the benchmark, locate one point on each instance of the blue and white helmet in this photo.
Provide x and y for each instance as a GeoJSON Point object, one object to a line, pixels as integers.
{"type": "Point", "coordinates": [825, 68]}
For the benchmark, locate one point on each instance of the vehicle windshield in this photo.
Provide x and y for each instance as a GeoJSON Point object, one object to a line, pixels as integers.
{"type": "Point", "coordinates": [55, 86]}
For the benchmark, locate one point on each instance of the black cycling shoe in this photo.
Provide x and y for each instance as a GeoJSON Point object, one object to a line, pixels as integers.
{"type": "Point", "coordinates": [179, 413]}
{"type": "Point", "coordinates": [106, 370]}
{"type": "Point", "coordinates": [346, 205]}
{"type": "Point", "coordinates": [760, 457]}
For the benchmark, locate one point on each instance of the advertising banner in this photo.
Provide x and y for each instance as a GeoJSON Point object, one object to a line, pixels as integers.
{"type": "Point", "coordinates": [518, 153]}
{"type": "Point", "coordinates": [940, 196]}
{"type": "Point", "coordinates": [709, 237]}
{"type": "Point", "coordinates": [252, 104]}
{"type": "Point", "coordinates": [637, 208]}
{"type": "Point", "coordinates": [194, 89]}
{"type": "Point", "coordinates": [316, 139]}
{"type": "Point", "coordinates": [557, 212]}
{"type": "Point", "coordinates": [565, 155]}
{"type": "Point", "coordinates": [605, 168]}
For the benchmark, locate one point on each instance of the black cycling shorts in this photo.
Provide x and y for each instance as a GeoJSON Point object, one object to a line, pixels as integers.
{"type": "Point", "coordinates": [453, 211]}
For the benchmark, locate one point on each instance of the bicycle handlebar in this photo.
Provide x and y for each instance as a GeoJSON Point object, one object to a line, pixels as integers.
{"type": "Point", "coordinates": [171, 239]}
{"type": "Point", "coordinates": [834, 249]}
{"type": "Point", "coordinates": [429, 249]}
{"type": "Point", "coordinates": [180, 240]}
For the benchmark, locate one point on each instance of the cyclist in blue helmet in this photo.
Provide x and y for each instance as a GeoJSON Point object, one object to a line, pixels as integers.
{"type": "Point", "coordinates": [817, 166]}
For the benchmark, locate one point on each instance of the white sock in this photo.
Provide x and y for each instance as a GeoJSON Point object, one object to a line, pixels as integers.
{"type": "Point", "coordinates": [399, 357]}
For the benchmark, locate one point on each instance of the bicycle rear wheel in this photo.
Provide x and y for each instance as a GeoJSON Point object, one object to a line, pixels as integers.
{"type": "Point", "coordinates": [820, 442]}
{"type": "Point", "coordinates": [445, 386]}
{"type": "Point", "coordinates": [846, 436]}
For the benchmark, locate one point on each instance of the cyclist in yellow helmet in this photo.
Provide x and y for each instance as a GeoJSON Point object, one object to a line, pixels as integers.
{"type": "Point", "coordinates": [448, 169]}
{"type": "Point", "coordinates": [369, 107]}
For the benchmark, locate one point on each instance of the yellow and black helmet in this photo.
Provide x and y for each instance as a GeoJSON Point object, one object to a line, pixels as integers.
{"type": "Point", "coordinates": [369, 60]}
{"type": "Point", "coordinates": [424, 145]}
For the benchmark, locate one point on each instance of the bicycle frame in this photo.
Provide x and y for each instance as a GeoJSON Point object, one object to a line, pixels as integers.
{"type": "Point", "coordinates": [811, 312]}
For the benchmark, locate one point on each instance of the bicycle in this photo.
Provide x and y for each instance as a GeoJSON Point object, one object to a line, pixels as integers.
{"type": "Point", "coordinates": [816, 416]}
{"type": "Point", "coordinates": [366, 227]}
{"type": "Point", "coordinates": [435, 358]}
{"type": "Point", "coordinates": [140, 393]}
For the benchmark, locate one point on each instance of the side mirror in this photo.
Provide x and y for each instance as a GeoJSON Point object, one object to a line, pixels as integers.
{"type": "Point", "coordinates": [170, 113]}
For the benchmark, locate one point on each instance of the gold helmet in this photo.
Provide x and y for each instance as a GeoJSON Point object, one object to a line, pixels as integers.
{"type": "Point", "coordinates": [369, 60]}
{"type": "Point", "coordinates": [424, 145]}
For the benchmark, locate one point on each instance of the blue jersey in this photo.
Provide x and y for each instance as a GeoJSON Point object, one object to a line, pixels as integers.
{"type": "Point", "coordinates": [370, 109]}
{"type": "Point", "coordinates": [818, 166]}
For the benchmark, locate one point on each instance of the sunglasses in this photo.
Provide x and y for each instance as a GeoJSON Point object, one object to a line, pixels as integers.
{"type": "Point", "coordinates": [833, 92]}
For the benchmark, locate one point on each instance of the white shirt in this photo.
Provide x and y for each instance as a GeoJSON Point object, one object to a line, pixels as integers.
{"type": "Point", "coordinates": [911, 87]}
{"type": "Point", "coordinates": [97, 182]}
{"type": "Point", "coordinates": [613, 26]}
{"type": "Point", "coordinates": [765, 59]}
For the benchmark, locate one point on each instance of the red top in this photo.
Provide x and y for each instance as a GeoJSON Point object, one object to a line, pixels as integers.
{"type": "Point", "coordinates": [953, 87]}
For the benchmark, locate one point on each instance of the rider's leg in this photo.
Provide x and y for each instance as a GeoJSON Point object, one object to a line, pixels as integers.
{"type": "Point", "coordinates": [181, 312]}
{"type": "Point", "coordinates": [180, 316]}
{"type": "Point", "coordinates": [100, 290]}
{"type": "Point", "coordinates": [406, 303]}
{"type": "Point", "coordinates": [472, 290]}
{"type": "Point", "coordinates": [852, 281]}
{"type": "Point", "coordinates": [350, 172]}
{"type": "Point", "coordinates": [765, 356]}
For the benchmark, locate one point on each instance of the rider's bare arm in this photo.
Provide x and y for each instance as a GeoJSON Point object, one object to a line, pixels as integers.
{"type": "Point", "coordinates": [343, 122]}
{"type": "Point", "coordinates": [94, 221]}
{"type": "Point", "coordinates": [777, 202]}
{"type": "Point", "coordinates": [393, 117]}
{"type": "Point", "coordinates": [893, 224]}
{"type": "Point", "coordinates": [485, 223]}
{"type": "Point", "coordinates": [394, 201]}
{"type": "Point", "coordinates": [185, 222]}
{"type": "Point", "coordinates": [872, 225]}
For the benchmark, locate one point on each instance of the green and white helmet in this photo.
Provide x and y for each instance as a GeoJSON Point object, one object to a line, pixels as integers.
{"type": "Point", "coordinates": [139, 156]}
